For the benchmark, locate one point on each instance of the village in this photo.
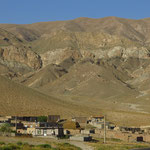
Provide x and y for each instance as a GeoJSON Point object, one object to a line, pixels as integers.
{"type": "Point", "coordinates": [75, 129]}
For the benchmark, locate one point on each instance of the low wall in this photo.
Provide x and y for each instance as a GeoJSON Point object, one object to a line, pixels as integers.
{"type": "Point", "coordinates": [124, 136]}
{"type": "Point", "coordinates": [7, 134]}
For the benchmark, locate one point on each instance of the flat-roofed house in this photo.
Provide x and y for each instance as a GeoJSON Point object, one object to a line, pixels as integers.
{"type": "Point", "coordinates": [98, 121]}
{"type": "Point", "coordinates": [97, 118]}
{"type": "Point", "coordinates": [27, 118]}
{"type": "Point", "coordinates": [5, 119]}
{"type": "Point", "coordinates": [49, 131]}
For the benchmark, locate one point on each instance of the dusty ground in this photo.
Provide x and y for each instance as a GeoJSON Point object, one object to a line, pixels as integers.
{"type": "Point", "coordinates": [37, 141]}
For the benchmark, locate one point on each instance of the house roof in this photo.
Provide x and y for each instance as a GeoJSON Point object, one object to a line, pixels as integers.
{"type": "Point", "coordinates": [54, 127]}
{"type": "Point", "coordinates": [97, 117]}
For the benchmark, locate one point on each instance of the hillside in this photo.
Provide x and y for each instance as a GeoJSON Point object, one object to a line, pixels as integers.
{"type": "Point", "coordinates": [16, 99]}
{"type": "Point", "coordinates": [90, 66]}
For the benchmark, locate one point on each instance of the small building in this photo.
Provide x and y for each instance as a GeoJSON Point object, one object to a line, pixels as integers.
{"type": "Point", "coordinates": [49, 131]}
{"type": "Point", "coordinates": [5, 119]}
{"type": "Point", "coordinates": [146, 129]}
{"type": "Point", "coordinates": [98, 122]}
{"type": "Point", "coordinates": [26, 118]}
{"type": "Point", "coordinates": [97, 118]}
{"type": "Point", "coordinates": [47, 124]}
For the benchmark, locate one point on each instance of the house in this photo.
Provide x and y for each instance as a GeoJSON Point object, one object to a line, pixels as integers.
{"type": "Point", "coordinates": [31, 130]}
{"type": "Point", "coordinates": [47, 124]}
{"type": "Point", "coordinates": [5, 119]}
{"type": "Point", "coordinates": [26, 118]}
{"type": "Point", "coordinates": [97, 118]}
{"type": "Point", "coordinates": [27, 121]}
{"type": "Point", "coordinates": [49, 131]}
{"type": "Point", "coordinates": [98, 122]}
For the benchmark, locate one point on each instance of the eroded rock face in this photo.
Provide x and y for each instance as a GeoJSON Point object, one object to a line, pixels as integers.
{"type": "Point", "coordinates": [58, 56]}
{"type": "Point", "coordinates": [118, 51]}
{"type": "Point", "coordinates": [21, 55]}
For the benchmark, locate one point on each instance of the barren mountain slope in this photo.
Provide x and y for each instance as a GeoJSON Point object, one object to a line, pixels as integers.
{"type": "Point", "coordinates": [131, 32]}
{"type": "Point", "coordinates": [16, 99]}
{"type": "Point", "coordinates": [111, 25]}
{"type": "Point", "coordinates": [93, 65]}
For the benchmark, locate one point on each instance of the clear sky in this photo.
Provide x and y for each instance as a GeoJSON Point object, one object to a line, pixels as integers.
{"type": "Point", "coordinates": [31, 11]}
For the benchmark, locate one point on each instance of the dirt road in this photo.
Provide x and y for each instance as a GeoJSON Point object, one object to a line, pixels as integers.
{"type": "Point", "coordinates": [82, 145]}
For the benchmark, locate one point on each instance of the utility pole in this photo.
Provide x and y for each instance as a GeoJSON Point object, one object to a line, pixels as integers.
{"type": "Point", "coordinates": [104, 129]}
{"type": "Point", "coordinates": [16, 123]}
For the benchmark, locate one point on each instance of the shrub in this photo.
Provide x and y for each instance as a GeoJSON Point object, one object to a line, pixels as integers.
{"type": "Point", "coordinates": [14, 147]}
{"type": "Point", "coordinates": [10, 147]}
{"type": "Point", "coordinates": [44, 146]}
{"type": "Point", "coordinates": [26, 143]}
{"type": "Point", "coordinates": [19, 143]}
{"type": "Point", "coordinates": [6, 148]}
{"type": "Point", "coordinates": [2, 143]}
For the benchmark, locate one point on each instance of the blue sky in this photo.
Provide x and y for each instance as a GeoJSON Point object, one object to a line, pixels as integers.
{"type": "Point", "coordinates": [31, 11]}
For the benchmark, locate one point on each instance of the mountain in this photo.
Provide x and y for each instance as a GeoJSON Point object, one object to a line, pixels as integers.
{"type": "Point", "coordinates": [99, 65]}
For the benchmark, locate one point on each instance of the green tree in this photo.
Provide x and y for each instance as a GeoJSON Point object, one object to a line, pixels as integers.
{"type": "Point", "coordinates": [6, 127]}
{"type": "Point", "coordinates": [42, 119]}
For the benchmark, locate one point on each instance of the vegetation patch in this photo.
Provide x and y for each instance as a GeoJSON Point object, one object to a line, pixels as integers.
{"type": "Point", "coordinates": [116, 144]}
{"type": "Point", "coordinates": [25, 146]}
{"type": "Point", "coordinates": [45, 146]}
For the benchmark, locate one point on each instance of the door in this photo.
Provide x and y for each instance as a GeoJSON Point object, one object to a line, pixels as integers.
{"type": "Point", "coordinates": [45, 132]}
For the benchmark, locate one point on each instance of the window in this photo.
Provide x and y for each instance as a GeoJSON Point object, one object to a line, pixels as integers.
{"type": "Point", "coordinates": [39, 131]}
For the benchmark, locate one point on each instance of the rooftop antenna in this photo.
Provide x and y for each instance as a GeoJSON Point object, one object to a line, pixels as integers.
{"type": "Point", "coordinates": [16, 123]}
